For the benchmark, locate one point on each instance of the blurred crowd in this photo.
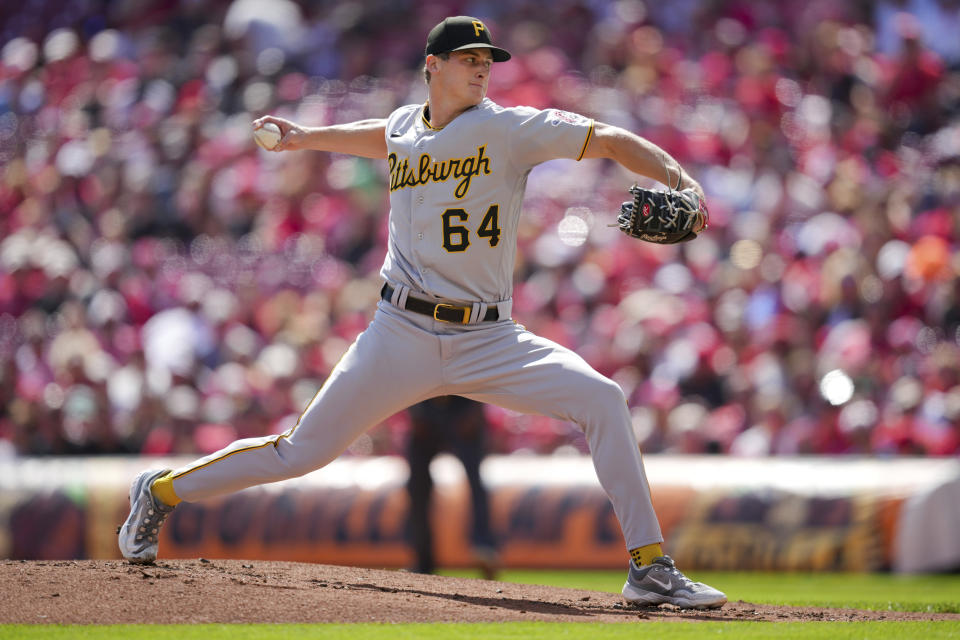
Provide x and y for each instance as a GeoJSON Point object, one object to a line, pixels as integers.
{"type": "Point", "coordinates": [167, 287]}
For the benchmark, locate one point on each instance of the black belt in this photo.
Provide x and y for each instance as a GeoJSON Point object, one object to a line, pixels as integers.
{"type": "Point", "coordinates": [440, 311]}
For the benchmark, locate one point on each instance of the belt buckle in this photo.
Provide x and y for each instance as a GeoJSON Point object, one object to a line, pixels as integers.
{"type": "Point", "coordinates": [465, 310]}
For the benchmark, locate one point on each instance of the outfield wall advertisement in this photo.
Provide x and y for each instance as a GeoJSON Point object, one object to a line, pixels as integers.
{"type": "Point", "coordinates": [716, 513]}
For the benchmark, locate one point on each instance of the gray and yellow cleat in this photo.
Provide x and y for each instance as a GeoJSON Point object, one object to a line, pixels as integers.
{"type": "Point", "coordinates": [661, 582]}
{"type": "Point", "coordinates": [139, 534]}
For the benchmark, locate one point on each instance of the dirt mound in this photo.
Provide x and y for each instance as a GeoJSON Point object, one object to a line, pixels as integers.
{"type": "Point", "coordinates": [225, 591]}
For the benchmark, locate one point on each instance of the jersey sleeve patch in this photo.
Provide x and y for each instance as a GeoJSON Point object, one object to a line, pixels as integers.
{"type": "Point", "coordinates": [557, 116]}
{"type": "Point", "coordinates": [538, 136]}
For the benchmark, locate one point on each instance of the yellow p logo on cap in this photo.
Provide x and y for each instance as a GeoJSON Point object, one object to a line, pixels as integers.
{"type": "Point", "coordinates": [477, 27]}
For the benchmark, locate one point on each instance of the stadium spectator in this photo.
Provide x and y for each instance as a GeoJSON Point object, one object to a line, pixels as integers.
{"type": "Point", "coordinates": [132, 198]}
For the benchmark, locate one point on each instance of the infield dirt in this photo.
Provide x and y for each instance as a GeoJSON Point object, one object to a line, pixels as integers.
{"type": "Point", "coordinates": [234, 591]}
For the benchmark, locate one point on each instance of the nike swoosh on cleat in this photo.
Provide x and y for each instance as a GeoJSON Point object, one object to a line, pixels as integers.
{"type": "Point", "coordinates": [396, 134]}
{"type": "Point", "coordinates": [656, 581]}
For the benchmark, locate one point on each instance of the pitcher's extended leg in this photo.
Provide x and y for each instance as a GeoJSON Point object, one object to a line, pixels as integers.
{"type": "Point", "coordinates": [531, 374]}
{"type": "Point", "coordinates": [389, 367]}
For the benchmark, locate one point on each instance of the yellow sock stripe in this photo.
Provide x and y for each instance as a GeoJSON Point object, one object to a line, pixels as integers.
{"type": "Point", "coordinates": [586, 142]}
{"type": "Point", "coordinates": [645, 554]}
{"type": "Point", "coordinates": [162, 489]}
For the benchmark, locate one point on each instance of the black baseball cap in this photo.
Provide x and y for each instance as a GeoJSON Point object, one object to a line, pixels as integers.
{"type": "Point", "coordinates": [463, 32]}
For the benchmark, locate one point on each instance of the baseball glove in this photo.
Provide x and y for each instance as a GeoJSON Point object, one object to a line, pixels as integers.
{"type": "Point", "coordinates": [663, 217]}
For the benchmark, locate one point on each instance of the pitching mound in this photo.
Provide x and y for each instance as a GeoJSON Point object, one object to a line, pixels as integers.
{"type": "Point", "coordinates": [225, 591]}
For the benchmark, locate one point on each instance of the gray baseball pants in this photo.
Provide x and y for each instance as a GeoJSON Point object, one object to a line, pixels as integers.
{"type": "Point", "coordinates": [403, 358]}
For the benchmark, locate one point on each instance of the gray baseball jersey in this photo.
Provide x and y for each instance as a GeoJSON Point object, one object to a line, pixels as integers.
{"type": "Point", "coordinates": [456, 192]}
{"type": "Point", "coordinates": [455, 197]}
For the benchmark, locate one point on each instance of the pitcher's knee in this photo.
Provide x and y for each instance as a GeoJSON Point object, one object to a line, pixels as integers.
{"type": "Point", "coordinates": [608, 392]}
{"type": "Point", "coordinates": [298, 461]}
{"type": "Point", "coordinates": [599, 400]}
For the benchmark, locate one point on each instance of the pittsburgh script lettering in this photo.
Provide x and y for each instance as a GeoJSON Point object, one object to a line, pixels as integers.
{"type": "Point", "coordinates": [403, 173]}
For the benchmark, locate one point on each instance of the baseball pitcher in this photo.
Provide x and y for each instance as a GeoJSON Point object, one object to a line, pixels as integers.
{"type": "Point", "coordinates": [458, 167]}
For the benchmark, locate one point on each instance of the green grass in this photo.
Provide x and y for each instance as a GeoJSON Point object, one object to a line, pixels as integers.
{"type": "Point", "coordinates": [876, 591]}
{"type": "Point", "coordinates": [518, 630]}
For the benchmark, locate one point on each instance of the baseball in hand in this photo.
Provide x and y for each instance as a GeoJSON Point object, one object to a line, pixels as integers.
{"type": "Point", "coordinates": [267, 136]}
